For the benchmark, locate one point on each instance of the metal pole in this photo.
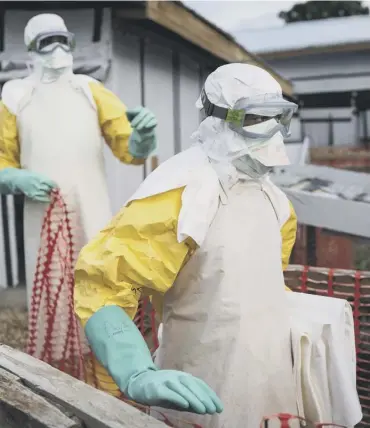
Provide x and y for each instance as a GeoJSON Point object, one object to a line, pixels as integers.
{"type": "Point", "coordinates": [331, 131]}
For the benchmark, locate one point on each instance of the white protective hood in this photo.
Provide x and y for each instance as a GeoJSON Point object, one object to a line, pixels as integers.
{"type": "Point", "coordinates": [225, 87]}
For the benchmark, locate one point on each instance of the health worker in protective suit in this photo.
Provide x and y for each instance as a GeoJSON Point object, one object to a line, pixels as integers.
{"type": "Point", "coordinates": [51, 128]}
{"type": "Point", "coordinates": [203, 236]}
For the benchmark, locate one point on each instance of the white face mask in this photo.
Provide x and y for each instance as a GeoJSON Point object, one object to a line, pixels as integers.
{"type": "Point", "coordinates": [49, 67]}
{"type": "Point", "coordinates": [252, 167]}
{"type": "Point", "coordinates": [56, 59]}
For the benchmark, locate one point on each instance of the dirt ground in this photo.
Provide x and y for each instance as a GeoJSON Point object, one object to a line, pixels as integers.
{"type": "Point", "coordinates": [13, 317]}
{"type": "Point", "coordinates": [13, 327]}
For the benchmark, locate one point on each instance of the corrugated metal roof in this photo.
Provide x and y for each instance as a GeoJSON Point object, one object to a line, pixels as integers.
{"type": "Point", "coordinates": [307, 34]}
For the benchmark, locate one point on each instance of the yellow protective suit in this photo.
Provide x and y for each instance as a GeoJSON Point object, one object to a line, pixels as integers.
{"type": "Point", "coordinates": [116, 267]}
{"type": "Point", "coordinates": [115, 128]}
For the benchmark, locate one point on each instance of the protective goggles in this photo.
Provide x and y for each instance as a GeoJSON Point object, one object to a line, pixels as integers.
{"type": "Point", "coordinates": [48, 42]}
{"type": "Point", "coordinates": [249, 112]}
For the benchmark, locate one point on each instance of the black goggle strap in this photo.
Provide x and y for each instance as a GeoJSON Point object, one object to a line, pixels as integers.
{"type": "Point", "coordinates": [236, 117]}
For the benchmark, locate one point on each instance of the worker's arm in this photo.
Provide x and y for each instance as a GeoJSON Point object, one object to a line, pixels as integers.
{"type": "Point", "coordinates": [137, 252]}
{"type": "Point", "coordinates": [114, 124]}
{"type": "Point", "coordinates": [288, 235]}
{"type": "Point", "coordinates": [9, 144]}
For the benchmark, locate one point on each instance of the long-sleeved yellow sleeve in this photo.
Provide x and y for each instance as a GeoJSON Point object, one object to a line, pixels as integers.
{"type": "Point", "coordinates": [9, 144]}
{"type": "Point", "coordinates": [138, 253]}
{"type": "Point", "coordinates": [288, 235]}
{"type": "Point", "coordinates": [113, 122]}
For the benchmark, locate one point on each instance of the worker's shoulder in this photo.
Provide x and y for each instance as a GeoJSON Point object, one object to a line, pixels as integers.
{"type": "Point", "coordinates": [188, 169]}
{"type": "Point", "coordinates": [280, 201]}
{"type": "Point", "coordinates": [83, 79]}
{"type": "Point", "coordinates": [13, 91]}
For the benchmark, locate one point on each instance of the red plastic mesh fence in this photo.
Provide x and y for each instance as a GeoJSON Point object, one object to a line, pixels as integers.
{"type": "Point", "coordinates": [54, 335]}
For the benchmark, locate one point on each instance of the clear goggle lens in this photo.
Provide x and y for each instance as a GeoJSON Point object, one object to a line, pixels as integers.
{"type": "Point", "coordinates": [46, 43]}
{"type": "Point", "coordinates": [281, 111]}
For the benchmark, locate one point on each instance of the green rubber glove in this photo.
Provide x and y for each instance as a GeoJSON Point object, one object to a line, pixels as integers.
{"type": "Point", "coordinates": [141, 145]}
{"type": "Point", "coordinates": [121, 349]}
{"type": "Point", "coordinates": [32, 185]}
{"type": "Point", "coordinates": [141, 119]}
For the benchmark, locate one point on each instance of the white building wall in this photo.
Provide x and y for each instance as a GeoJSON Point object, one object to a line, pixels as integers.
{"type": "Point", "coordinates": [125, 81]}
{"type": "Point", "coordinates": [159, 87]}
{"type": "Point", "coordinates": [190, 87]}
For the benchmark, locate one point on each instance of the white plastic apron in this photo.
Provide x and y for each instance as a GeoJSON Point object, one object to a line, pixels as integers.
{"type": "Point", "coordinates": [324, 359]}
{"type": "Point", "coordinates": [226, 319]}
{"type": "Point", "coordinates": [60, 138]}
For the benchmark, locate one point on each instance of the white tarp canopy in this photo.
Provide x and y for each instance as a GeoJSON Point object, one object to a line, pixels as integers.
{"type": "Point", "coordinates": [326, 197]}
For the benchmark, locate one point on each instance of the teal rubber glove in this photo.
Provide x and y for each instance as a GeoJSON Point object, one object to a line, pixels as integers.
{"type": "Point", "coordinates": [32, 185]}
{"type": "Point", "coordinates": [141, 119]}
{"type": "Point", "coordinates": [141, 145]}
{"type": "Point", "coordinates": [121, 349]}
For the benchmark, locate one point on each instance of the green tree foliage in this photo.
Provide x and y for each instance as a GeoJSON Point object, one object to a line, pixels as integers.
{"type": "Point", "coordinates": [312, 10]}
